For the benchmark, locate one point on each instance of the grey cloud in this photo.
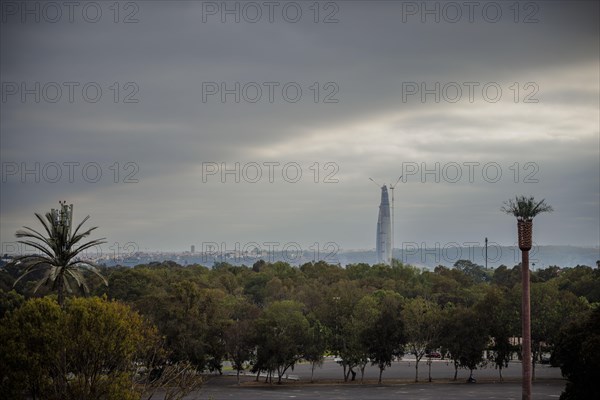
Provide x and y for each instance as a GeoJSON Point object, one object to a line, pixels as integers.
{"type": "Point", "coordinates": [170, 132]}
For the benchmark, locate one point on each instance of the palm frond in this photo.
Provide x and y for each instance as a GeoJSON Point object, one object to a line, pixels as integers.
{"type": "Point", "coordinates": [36, 246]}
{"type": "Point", "coordinates": [31, 261]}
{"type": "Point", "coordinates": [54, 272]}
{"type": "Point", "coordinates": [79, 279]}
{"type": "Point", "coordinates": [76, 239]}
{"type": "Point", "coordinates": [66, 284]}
{"type": "Point", "coordinates": [35, 234]}
{"type": "Point", "coordinates": [44, 224]}
{"type": "Point", "coordinates": [31, 269]}
{"type": "Point", "coordinates": [28, 258]}
{"type": "Point", "coordinates": [80, 224]}
{"type": "Point", "coordinates": [44, 281]}
{"type": "Point", "coordinates": [87, 245]}
{"type": "Point", "coordinates": [525, 208]}
{"type": "Point", "coordinates": [541, 207]}
{"type": "Point", "coordinates": [92, 268]}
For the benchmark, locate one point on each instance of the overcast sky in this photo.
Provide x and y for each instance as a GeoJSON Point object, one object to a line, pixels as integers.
{"type": "Point", "coordinates": [135, 114]}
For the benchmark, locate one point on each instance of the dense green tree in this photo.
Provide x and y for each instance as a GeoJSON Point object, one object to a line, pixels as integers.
{"type": "Point", "coordinates": [323, 272]}
{"type": "Point", "coordinates": [179, 318]}
{"type": "Point", "coordinates": [317, 342]}
{"type": "Point", "coordinates": [421, 326]}
{"type": "Point", "coordinates": [9, 301]}
{"type": "Point", "coordinates": [546, 274]}
{"type": "Point", "coordinates": [338, 313]}
{"type": "Point", "coordinates": [31, 340]}
{"type": "Point", "coordinates": [313, 294]}
{"type": "Point", "coordinates": [240, 335]}
{"type": "Point", "coordinates": [385, 336]}
{"type": "Point", "coordinates": [501, 315]}
{"type": "Point", "coordinates": [551, 310]}
{"type": "Point", "coordinates": [104, 339]}
{"type": "Point", "coordinates": [474, 271]}
{"type": "Point", "coordinates": [361, 333]}
{"type": "Point", "coordinates": [410, 281]}
{"type": "Point", "coordinates": [215, 310]}
{"type": "Point", "coordinates": [445, 287]}
{"type": "Point", "coordinates": [577, 352]}
{"type": "Point", "coordinates": [254, 287]}
{"type": "Point", "coordinates": [357, 271]}
{"type": "Point", "coordinates": [581, 281]}
{"type": "Point", "coordinates": [282, 334]}
{"type": "Point", "coordinates": [505, 277]}
{"type": "Point", "coordinates": [87, 350]}
{"type": "Point", "coordinates": [464, 334]}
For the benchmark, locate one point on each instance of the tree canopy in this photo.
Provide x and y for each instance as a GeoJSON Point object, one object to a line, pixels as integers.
{"type": "Point", "coordinates": [269, 316]}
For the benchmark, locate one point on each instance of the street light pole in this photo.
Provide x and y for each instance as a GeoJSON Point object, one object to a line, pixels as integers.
{"type": "Point", "coordinates": [486, 243]}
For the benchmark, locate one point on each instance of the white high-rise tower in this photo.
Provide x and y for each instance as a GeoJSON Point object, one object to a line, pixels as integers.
{"type": "Point", "coordinates": [384, 230]}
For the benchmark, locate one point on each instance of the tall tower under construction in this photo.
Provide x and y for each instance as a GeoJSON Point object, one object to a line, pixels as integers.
{"type": "Point", "coordinates": [384, 230]}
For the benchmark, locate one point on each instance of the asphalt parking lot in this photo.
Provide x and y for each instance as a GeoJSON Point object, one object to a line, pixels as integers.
{"type": "Point", "coordinates": [398, 383]}
{"type": "Point", "coordinates": [405, 370]}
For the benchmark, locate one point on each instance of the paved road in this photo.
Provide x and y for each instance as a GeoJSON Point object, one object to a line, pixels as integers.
{"type": "Point", "coordinates": [447, 391]}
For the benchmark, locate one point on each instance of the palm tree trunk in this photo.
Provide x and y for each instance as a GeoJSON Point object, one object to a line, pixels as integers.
{"type": "Point", "coordinates": [525, 233]}
{"type": "Point", "coordinates": [60, 290]}
{"type": "Point", "coordinates": [526, 327]}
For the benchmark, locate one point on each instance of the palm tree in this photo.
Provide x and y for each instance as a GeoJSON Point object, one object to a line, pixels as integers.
{"type": "Point", "coordinates": [59, 252]}
{"type": "Point", "coordinates": [525, 209]}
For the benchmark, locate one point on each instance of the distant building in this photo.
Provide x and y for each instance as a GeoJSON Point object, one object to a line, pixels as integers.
{"type": "Point", "coordinates": [384, 230]}
{"type": "Point", "coordinates": [193, 249]}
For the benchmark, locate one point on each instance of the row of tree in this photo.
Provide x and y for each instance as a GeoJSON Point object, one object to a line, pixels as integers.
{"type": "Point", "coordinates": [271, 315]}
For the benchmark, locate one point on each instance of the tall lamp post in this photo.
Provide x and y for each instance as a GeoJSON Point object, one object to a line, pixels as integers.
{"type": "Point", "coordinates": [486, 244]}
